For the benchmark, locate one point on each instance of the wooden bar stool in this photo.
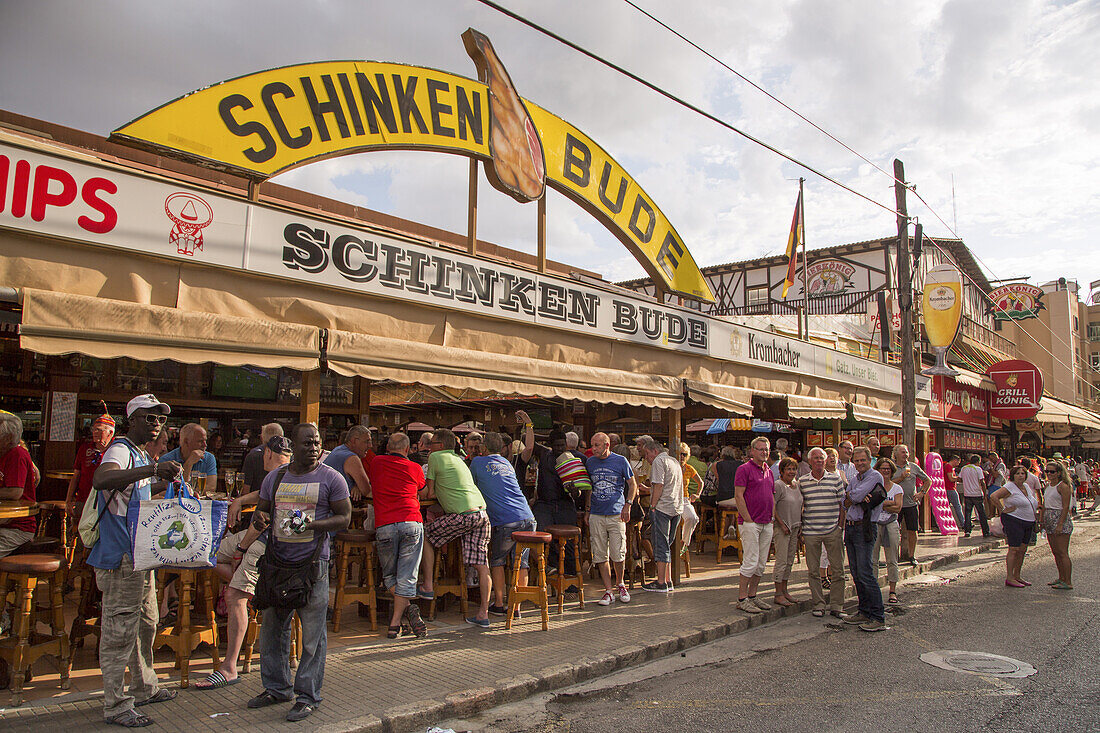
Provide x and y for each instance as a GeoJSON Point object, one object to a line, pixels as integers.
{"type": "Point", "coordinates": [708, 516]}
{"type": "Point", "coordinates": [252, 632]}
{"type": "Point", "coordinates": [360, 544]}
{"type": "Point", "coordinates": [727, 518]}
{"type": "Point", "coordinates": [184, 636]}
{"type": "Point", "coordinates": [25, 645]}
{"type": "Point", "coordinates": [536, 542]}
{"type": "Point", "coordinates": [565, 534]}
{"type": "Point", "coordinates": [449, 576]}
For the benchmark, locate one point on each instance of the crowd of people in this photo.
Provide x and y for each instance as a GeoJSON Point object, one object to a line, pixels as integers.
{"type": "Point", "coordinates": [853, 504]}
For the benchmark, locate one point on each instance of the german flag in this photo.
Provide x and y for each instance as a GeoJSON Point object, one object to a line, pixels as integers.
{"type": "Point", "coordinates": [793, 241]}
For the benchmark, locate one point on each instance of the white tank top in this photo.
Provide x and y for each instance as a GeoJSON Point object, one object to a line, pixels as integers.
{"type": "Point", "coordinates": [1021, 503]}
{"type": "Point", "coordinates": [1053, 500]}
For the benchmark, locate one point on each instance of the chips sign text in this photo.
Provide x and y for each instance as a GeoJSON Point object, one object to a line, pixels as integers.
{"type": "Point", "coordinates": [264, 123]}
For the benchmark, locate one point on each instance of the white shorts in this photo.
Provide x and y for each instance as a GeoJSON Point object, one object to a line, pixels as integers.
{"type": "Point", "coordinates": [756, 541]}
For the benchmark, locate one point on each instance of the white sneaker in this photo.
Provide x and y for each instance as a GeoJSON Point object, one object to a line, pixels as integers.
{"type": "Point", "coordinates": [624, 596]}
{"type": "Point", "coordinates": [607, 599]}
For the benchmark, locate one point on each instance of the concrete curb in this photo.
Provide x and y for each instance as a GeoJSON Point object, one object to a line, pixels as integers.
{"type": "Point", "coordinates": [421, 714]}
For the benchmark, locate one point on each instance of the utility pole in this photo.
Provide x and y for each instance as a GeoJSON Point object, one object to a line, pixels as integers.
{"type": "Point", "coordinates": [905, 305]}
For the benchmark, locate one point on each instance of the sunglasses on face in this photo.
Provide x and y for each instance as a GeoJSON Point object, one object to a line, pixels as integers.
{"type": "Point", "coordinates": [1051, 471]}
{"type": "Point", "coordinates": [156, 419]}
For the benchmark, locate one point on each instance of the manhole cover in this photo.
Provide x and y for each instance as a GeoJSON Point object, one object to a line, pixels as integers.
{"type": "Point", "coordinates": [978, 663]}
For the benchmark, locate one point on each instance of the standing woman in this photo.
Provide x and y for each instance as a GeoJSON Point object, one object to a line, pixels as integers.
{"type": "Point", "coordinates": [889, 535]}
{"type": "Point", "coordinates": [1018, 505]}
{"type": "Point", "coordinates": [1057, 503]}
{"type": "Point", "coordinates": [788, 524]}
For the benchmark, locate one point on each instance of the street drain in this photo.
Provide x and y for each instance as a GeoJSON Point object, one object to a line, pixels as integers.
{"type": "Point", "coordinates": [978, 663]}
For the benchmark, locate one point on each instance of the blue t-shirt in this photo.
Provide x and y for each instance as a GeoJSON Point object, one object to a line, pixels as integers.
{"type": "Point", "coordinates": [114, 536]}
{"type": "Point", "coordinates": [609, 478]}
{"type": "Point", "coordinates": [207, 465]}
{"type": "Point", "coordinates": [336, 459]}
{"type": "Point", "coordinates": [496, 480]}
{"type": "Point", "coordinates": [311, 494]}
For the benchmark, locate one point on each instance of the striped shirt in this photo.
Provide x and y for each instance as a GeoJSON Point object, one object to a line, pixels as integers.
{"type": "Point", "coordinates": [821, 500]}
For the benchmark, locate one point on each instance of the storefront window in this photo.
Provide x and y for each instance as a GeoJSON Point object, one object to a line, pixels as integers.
{"type": "Point", "coordinates": [337, 390]}
{"type": "Point", "coordinates": [290, 386]}
{"type": "Point", "coordinates": [158, 377]}
{"type": "Point", "coordinates": [91, 375]}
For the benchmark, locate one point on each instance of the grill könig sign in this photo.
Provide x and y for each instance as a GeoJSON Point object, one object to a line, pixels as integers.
{"type": "Point", "coordinates": [1019, 387]}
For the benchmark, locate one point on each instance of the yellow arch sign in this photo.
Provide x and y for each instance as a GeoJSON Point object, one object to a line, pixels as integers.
{"type": "Point", "coordinates": [264, 123]}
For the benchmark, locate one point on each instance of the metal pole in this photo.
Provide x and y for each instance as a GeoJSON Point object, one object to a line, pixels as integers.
{"type": "Point", "coordinates": [805, 284]}
{"type": "Point", "coordinates": [905, 305]}
{"type": "Point", "coordinates": [471, 210]}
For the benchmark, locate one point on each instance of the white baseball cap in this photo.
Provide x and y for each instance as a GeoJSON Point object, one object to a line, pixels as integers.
{"type": "Point", "coordinates": [147, 401]}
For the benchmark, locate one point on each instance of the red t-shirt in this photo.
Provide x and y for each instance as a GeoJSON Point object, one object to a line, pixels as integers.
{"type": "Point", "coordinates": [949, 479]}
{"type": "Point", "coordinates": [370, 456]}
{"type": "Point", "coordinates": [87, 461]}
{"type": "Point", "coordinates": [394, 482]}
{"type": "Point", "coordinates": [16, 470]}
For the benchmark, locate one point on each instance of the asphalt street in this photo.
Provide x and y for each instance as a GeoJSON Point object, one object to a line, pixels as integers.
{"type": "Point", "coordinates": [803, 674]}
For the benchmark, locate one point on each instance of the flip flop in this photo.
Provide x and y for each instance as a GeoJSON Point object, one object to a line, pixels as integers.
{"type": "Point", "coordinates": [161, 696]}
{"type": "Point", "coordinates": [1010, 584]}
{"type": "Point", "coordinates": [893, 599]}
{"type": "Point", "coordinates": [1062, 586]}
{"type": "Point", "coordinates": [131, 719]}
{"type": "Point", "coordinates": [215, 680]}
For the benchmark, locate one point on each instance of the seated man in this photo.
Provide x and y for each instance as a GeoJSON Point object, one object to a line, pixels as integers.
{"type": "Point", "coordinates": [18, 480]}
{"type": "Point", "coordinates": [508, 512]}
{"type": "Point", "coordinates": [200, 469]}
{"type": "Point", "coordinates": [450, 482]}
{"type": "Point", "coordinates": [396, 482]}
{"type": "Point", "coordinates": [237, 557]}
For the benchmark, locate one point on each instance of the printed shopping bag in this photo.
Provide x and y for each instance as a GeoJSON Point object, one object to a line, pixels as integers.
{"type": "Point", "coordinates": [177, 531]}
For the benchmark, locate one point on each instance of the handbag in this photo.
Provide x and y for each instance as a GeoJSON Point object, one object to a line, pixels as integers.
{"type": "Point", "coordinates": [178, 531]}
{"type": "Point", "coordinates": [996, 528]}
{"type": "Point", "coordinates": [282, 584]}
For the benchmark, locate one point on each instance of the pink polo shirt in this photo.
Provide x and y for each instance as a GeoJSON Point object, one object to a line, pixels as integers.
{"type": "Point", "coordinates": [759, 498]}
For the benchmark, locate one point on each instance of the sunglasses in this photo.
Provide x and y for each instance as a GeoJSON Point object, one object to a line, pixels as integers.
{"type": "Point", "coordinates": [1051, 470]}
{"type": "Point", "coordinates": [156, 419]}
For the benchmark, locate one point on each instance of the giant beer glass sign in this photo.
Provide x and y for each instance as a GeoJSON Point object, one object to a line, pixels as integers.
{"type": "Point", "coordinates": [941, 305]}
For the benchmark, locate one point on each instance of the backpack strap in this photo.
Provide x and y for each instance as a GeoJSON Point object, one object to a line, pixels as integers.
{"type": "Point", "coordinates": [122, 440]}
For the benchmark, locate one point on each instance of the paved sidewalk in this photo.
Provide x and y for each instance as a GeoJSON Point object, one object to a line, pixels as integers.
{"type": "Point", "coordinates": [408, 684]}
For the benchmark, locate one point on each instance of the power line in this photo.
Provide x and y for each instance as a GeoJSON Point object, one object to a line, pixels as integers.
{"type": "Point", "coordinates": [682, 102]}
{"type": "Point", "coordinates": [761, 89]}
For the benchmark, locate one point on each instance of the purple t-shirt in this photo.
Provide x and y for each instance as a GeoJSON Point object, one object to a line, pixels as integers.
{"type": "Point", "coordinates": [311, 494]}
{"type": "Point", "coordinates": [759, 485]}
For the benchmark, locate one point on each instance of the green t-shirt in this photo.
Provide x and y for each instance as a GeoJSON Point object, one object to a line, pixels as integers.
{"type": "Point", "coordinates": [454, 484]}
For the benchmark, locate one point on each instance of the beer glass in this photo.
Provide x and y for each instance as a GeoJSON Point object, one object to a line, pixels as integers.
{"type": "Point", "coordinates": [942, 308]}
{"type": "Point", "coordinates": [230, 483]}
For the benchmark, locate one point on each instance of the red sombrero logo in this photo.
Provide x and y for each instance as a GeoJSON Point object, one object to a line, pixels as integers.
{"type": "Point", "coordinates": [189, 215]}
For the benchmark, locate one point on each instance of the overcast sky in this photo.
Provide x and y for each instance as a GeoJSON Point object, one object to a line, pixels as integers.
{"type": "Point", "coordinates": [1002, 98]}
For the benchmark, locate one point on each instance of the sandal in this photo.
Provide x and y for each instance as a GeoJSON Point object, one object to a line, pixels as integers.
{"type": "Point", "coordinates": [782, 602]}
{"type": "Point", "coordinates": [893, 599]}
{"type": "Point", "coordinates": [412, 615]}
{"type": "Point", "coordinates": [393, 632]}
{"type": "Point", "coordinates": [215, 680]}
{"type": "Point", "coordinates": [130, 719]}
{"type": "Point", "coordinates": [161, 696]}
{"type": "Point", "coordinates": [1060, 585]}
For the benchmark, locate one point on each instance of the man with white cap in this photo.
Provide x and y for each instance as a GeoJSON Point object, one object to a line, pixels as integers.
{"type": "Point", "coordinates": [128, 624]}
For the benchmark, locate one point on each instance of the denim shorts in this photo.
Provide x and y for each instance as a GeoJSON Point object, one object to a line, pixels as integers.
{"type": "Point", "coordinates": [502, 546]}
{"type": "Point", "coordinates": [399, 546]}
{"type": "Point", "coordinates": [664, 534]}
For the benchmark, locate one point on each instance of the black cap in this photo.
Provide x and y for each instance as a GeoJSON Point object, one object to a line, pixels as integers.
{"type": "Point", "coordinates": [281, 445]}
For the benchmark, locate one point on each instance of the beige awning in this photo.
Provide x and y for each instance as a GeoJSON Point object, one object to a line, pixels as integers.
{"type": "Point", "coordinates": [1081, 417]}
{"type": "Point", "coordinates": [737, 400]}
{"type": "Point", "coordinates": [1052, 411]}
{"type": "Point", "coordinates": [377, 357]}
{"type": "Point", "coordinates": [815, 407]}
{"type": "Point", "coordinates": [60, 323]}
{"type": "Point", "coordinates": [881, 416]}
{"type": "Point", "coordinates": [973, 379]}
